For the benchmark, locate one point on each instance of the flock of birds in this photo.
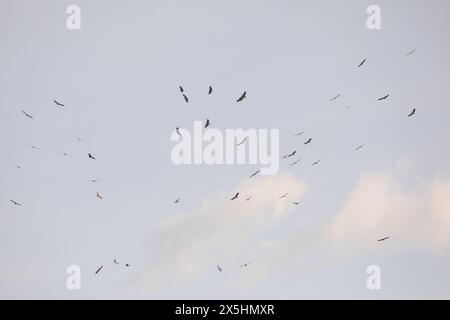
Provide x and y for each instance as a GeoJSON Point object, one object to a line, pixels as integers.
{"type": "Point", "coordinates": [242, 97]}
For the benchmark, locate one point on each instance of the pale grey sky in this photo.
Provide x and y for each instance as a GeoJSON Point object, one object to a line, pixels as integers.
{"type": "Point", "coordinates": [119, 78]}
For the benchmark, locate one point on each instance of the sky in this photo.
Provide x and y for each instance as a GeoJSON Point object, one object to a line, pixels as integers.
{"type": "Point", "coordinates": [118, 77]}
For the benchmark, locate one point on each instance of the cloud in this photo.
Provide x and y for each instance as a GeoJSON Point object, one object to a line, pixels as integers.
{"type": "Point", "coordinates": [187, 246]}
{"type": "Point", "coordinates": [384, 204]}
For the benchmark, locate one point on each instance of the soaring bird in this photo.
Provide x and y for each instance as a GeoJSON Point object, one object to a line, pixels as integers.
{"type": "Point", "coordinates": [80, 140]}
{"type": "Point", "coordinates": [359, 147]}
{"type": "Point", "coordinates": [235, 197]}
{"type": "Point", "coordinates": [299, 133]}
{"type": "Point", "coordinates": [115, 261]}
{"type": "Point", "coordinates": [362, 63]}
{"type": "Point", "coordinates": [219, 268]}
{"type": "Point", "coordinates": [177, 201]}
{"type": "Point", "coordinates": [242, 97]}
{"type": "Point", "coordinates": [34, 147]}
{"type": "Point", "coordinates": [91, 156]}
{"type": "Point", "coordinates": [295, 162]}
{"type": "Point", "coordinates": [207, 123]}
{"type": "Point", "coordinates": [210, 90]}
{"type": "Point", "coordinates": [98, 270]}
{"type": "Point", "coordinates": [94, 180]}
{"type": "Point", "coordinates": [249, 198]}
{"type": "Point", "coordinates": [245, 139]}
{"type": "Point", "coordinates": [127, 265]}
{"type": "Point", "coordinates": [185, 98]}
{"type": "Point", "coordinates": [58, 104]}
{"type": "Point", "coordinates": [308, 141]}
{"type": "Point", "coordinates": [181, 89]}
{"type": "Point", "coordinates": [383, 239]}
{"type": "Point", "coordinates": [383, 98]}
{"type": "Point", "coordinates": [19, 167]}
{"type": "Point", "coordinates": [316, 163]}
{"type": "Point", "coordinates": [27, 115]}
{"type": "Point", "coordinates": [332, 99]}
{"type": "Point", "coordinates": [99, 196]}
{"type": "Point", "coordinates": [296, 203]}
{"type": "Point", "coordinates": [15, 203]}
{"type": "Point", "coordinates": [411, 52]}
{"type": "Point", "coordinates": [178, 131]}
{"type": "Point", "coordinates": [413, 112]}
{"type": "Point", "coordinates": [254, 174]}
{"type": "Point", "coordinates": [289, 155]}
{"type": "Point", "coordinates": [283, 196]}
{"type": "Point", "coordinates": [244, 265]}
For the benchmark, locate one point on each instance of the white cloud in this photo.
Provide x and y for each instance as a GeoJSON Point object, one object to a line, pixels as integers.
{"type": "Point", "coordinates": [384, 204]}
{"type": "Point", "coordinates": [187, 246]}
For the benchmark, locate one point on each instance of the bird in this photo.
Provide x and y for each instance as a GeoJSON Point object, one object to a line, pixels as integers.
{"type": "Point", "coordinates": [362, 63]}
{"type": "Point", "coordinates": [99, 196]}
{"type": "Point", "coordinates": [34, 147]}
{"type": "Point", "coordinates": [127, 265]}
{"type": "Point", "coordinates": [235, 197]}
{"type": "Point", "coordinates": [296, 203]}
{"type": "Point", "coordinates": [181, 89]}
{"type": "Point", "coordinates": [210, 90]}
{"type": "Point", "coordinates": [219, 268]}
{"type": "Point", "coordinates": [91, 156]}
{"type": "Point", "coordinates": [65, 154]}
{"type": "Point", "coordinates": [383, 239]}
{"type": "Point", "coordinates": [359, 147]}
{"type": "Point", "coordinates": [413, 112]}
{"type": "Point", "coordinates": [244, 265]}
{"type": "Point", "coordinates": [255, 173]}
{"type": "Point", "coordinates": [308, 141]}
{"type": "Point", "coordinates": [80, 140]}
{"type": "Point", "coordinates": [15, 203]}
{"type": "Point", "coordinates": [178, 131]}
{"type": "Point", "coordinates": [185, 98]}
{"type": "Point", "coordinates": [27, 115]}
{"type": "Point", "coordinates": [289, 155]}
{"type": "Point", "coordinates": [332, 99]}
{"type": "Point", "coordinates": [316, 163]}
{"type": "Point", "coordinates": [295, 162]}
{"type": "Point", "coordinates": [248, 199]}
{"type": "Point", "coordinates": [98, 270]}
{"type": "Point", "coordinates": [383, 98]}
{"type": "Point", "coordinates": [283, 196]}
{"type": "Point", "coordinates": [299, 133]}
{"type": "Point", "coordinates": [411, 52]}
{"type": "Point", "coordinates": [245, 139]}
{"type": "Point", "coordinates": [115, 261]}
{"type": "Point", "coordinates": [19, 167]}
{"type": "Point", "coordinates": [242, 97]}
{"type": "Point", "coordinates": [94, 180]}
{"type": "Point", "coordinates": [58, 104]}
{"type": "Point", "coordinates": [177, 201]}
{"type": "Point", "coordinates": [207, 123]}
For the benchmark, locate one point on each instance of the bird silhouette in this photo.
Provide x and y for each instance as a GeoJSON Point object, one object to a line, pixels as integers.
{"type": "Point", "coordinates": [181, 89]}
{"type": "Point", "coordinates": [299, 133]}
{"type": "Point", "coordinates": [219, 268]}
{"type": "Point", "coordinates": [254, 174]}
{"type": "Point", "coordinates": [244, 265]}
{"type": "Point", "coordinates": [207, 123]}
{"type": "Point", "coordinates": [308, 141]}
{"type": "Point", "coordinates": [178, 131]}
{"type": "Point", "coordinates": [411, 52]}
{"type": "Point", "coordinates": [295, 162]}
{"type": "Point", "coordinates": [99, 196]}
{"type": "Point", "coordinates": [334, 98]}
{"type": "Point", "coordinates": [383, 98]}
{"type": "Point", "coordinates": [177, 201]}
{"type": "Point", "coordinates": [185, 98]}
{"type": "Point", "coordinates": [290, 155]}
{"type": "Point", "coordinates": [58, 104]}
{"type": "Point", "coordinates": [98, 270]}
{"type": "Point", "coordinates": [210, 90]}
{"type": "Point", "coordinates": [94, 180]}
{"type": "Point", "coordinates": [413, 112]}
{"type": "Point", "coordinates": [359, 147]}
{"type": "Point", "coordinates": [283, 196]}
{"type": "Point", "coordinates": [242, 97]}
{"type": "Point", "coordinates": [15, 203]}
{"type": "Point", "coordinates": [245, 139]}
{"type": "Point", "coordinates": [115, 261]}
{"type": "Point", "coordinates": [383, 239]}
{"type": "Point", "coordinates": [91, 156]}
{"type": "Point", "coordinates": [296, 203]}
{"type": "Point", "coordinates": [27, 115]}
{"type": "Point", "coordinates": [235, 197]}
{"type": "Point", "coordinates": [316, 163]}
{"type": "Point", "coordinates": [362, 63]}
{"type": "Point", "coordinates": [249, 198]}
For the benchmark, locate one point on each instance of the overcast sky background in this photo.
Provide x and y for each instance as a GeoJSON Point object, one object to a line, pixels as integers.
{"type": "Point", "coordinates": [118, 77]}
